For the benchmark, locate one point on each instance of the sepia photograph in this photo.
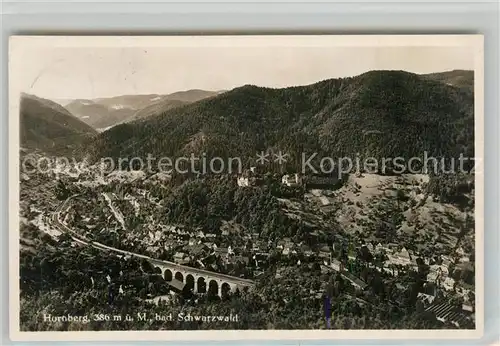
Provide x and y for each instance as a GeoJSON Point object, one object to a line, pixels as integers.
{"type": "Point", "coordinates": [246, 186]}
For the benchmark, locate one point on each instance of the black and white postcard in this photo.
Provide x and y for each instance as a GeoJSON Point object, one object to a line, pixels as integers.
{"type": "Point", "coordinates": [246, 187]}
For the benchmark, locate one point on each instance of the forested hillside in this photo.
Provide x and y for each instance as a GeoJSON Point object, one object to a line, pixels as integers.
{"type": "Point", "coordinates": [459, 78]}
{"type": "Point", "coordinates": [378, 114]}
{"type": "Point", "coordinates": [49, 127]}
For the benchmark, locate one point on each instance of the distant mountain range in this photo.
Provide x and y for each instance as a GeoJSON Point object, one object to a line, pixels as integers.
{"type": "Point", "coordinates": [48, 126]}
{"type": "Point", "coordinates": [378, 113]}
{"type": "Point", "coordinates": [104, 113]}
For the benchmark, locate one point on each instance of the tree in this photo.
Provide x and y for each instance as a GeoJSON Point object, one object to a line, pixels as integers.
{"type": "Point", "coordinates": [62, 191]}
{"type": "Point", "coordinates": [365, 255]}
{"type": "Point", "coordinates": [400, 196]}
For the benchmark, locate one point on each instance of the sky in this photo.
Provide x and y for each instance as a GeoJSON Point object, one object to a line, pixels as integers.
{"type": "Point", "coordinates": [74, 71]}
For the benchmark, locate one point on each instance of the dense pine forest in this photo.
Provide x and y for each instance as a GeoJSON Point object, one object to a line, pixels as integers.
{"type": "Point", "coordinates": [377, 114]}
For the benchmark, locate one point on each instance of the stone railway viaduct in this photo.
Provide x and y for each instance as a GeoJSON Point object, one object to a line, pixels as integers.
{"type": "Point", "coordinates": [199, 280]}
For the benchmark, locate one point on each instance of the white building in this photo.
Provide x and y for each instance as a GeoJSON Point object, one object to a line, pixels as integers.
{"type": "Point", "coordinates": [243, 181]}
{"type": "Point", "coordinates": [379, 247]}
{"type": "Point", "coordinates": [291, 180]}
{"type": "Point", "coordinates": [427, 299]}
{"type": "Point", "coordinates": [403, 256]}
{"type": "Point", "coordinates": [336, 265]}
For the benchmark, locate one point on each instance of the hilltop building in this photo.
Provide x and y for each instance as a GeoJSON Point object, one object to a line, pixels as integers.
{"type": "Point", "coordinates": [292, 180]}
{"type": "Point", "coordinates": [247, 178]}
{"type": "Point", "coordinates": [243, 181]}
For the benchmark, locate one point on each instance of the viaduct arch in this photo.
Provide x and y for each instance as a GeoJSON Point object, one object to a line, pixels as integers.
{"type": "Point", "coordinates": [201, 281]}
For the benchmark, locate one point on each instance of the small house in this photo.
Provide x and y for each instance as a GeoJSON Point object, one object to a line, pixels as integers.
{"type": "Point", "coordinates": [221, 251]}
{"type": "Point", "coordinates": [242, 259]}
{"type": "Point", "coordinates": [324, 251]}
{"type": "Point", "coordinates": [280, 245]}
{"type": "Point", "coordinates": [292, 180]}
{"type": "Point", "coordinates": [426, 299]}
{"type": "Point", "coordinates": [243, 181]}
{"type": "Point", "coordinates": [181, 258]}
{"type": "Point", "coordinates": [336, 265]}
{"type": "Point", "coordinates": [404, 254]}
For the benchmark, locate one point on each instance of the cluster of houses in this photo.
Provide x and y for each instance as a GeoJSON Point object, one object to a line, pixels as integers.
{"type": "Point", "coordinates": [196, 245]}
{"type": "Point", "coordinates": [396, 257]}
